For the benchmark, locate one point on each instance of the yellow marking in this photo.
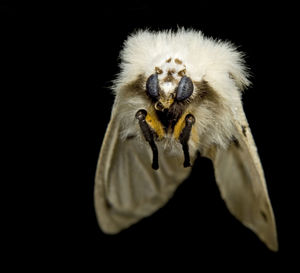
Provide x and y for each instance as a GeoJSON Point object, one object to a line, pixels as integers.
{"type": "Point", "coordinates": [194, 135]}
{"type": "Point", "coordinates": [155, 124]}
{"type": "Point", "coordinates": [179, 126]}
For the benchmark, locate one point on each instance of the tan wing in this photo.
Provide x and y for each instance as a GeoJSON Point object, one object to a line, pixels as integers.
{"type": "Point", "coordinates": [126, 187]}
{"type": "Point", "coordinates": [241, 181]}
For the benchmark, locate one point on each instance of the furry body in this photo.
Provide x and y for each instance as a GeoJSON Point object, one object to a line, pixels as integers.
{"type": "Point", "coordinates": [179, 93]}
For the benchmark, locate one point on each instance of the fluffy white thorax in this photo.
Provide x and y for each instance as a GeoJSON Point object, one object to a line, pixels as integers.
{"type": "Point", "coordinates": [201, 56]}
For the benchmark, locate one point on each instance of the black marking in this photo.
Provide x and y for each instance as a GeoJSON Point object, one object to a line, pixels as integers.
{"type": "Point", "coordinates": [199, 154]}
{"type": "Point", "coordinates": [158, 106]}
{"type": "Point", "coordinates": [130, 137]}
{"type": "Point", "coordinates": [235, 141]}
{"type": "Point", "coordinates": [264, 216]}
{"type": "Point", "coordinates": [149, 136]}
{"type": "Point", "coordinates": [244, 130]}
{"type": "Point", "coordinates": [184, 138]}
{"type": "Point", "coordinates": [108, 204]}
{"type": "Point", "coordinates": [169, 117]}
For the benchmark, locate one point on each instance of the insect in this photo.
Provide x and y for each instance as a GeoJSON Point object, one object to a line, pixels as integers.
{"type": "Point", "coordinates": [179, 93]}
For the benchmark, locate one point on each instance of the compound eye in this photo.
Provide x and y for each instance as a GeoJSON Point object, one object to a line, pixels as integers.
{"type": "Point", "coordinates": [185, 88]}
{"type": "Point", "coordinates": [152, 87]}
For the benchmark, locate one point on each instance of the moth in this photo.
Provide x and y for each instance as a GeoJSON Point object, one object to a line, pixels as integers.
{"type": "Point", "coordinates": [179, 93]}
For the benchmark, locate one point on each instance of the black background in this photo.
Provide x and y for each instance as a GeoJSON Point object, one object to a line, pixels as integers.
{"type": "Point", "coordinates": [78, 55]}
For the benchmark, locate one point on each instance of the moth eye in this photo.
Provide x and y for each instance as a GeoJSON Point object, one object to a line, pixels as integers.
{"type": "Point", "coordinates": [185, 88]}
{"type": "Point", "coordinates": [152, 87]}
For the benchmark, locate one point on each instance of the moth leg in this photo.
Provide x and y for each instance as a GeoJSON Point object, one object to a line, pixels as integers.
{"type": "Point", "coordinates": [149, 136]}
{"type": "Point", "coordinates": [184, 138]}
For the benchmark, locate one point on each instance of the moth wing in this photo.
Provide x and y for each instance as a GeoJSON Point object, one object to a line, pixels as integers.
{"type": "Point", "coordinates": [241, 181]}
{"type": "Point", "coordinates": [126, 187]}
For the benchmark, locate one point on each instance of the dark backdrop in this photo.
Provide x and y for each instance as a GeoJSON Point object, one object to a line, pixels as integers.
{"type": "Point", "coordinates": [82, 48]}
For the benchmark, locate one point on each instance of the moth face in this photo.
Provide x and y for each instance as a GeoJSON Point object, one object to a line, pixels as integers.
{"type": "Point", "coordinates": [169, 84]}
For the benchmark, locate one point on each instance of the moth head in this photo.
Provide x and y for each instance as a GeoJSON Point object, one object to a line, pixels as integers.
{"type": "Point", "coordinates": [165, 92]}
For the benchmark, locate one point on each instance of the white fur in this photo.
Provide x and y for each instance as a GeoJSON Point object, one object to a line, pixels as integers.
{"type": "Point", "coordinates": [217, 62]}
{"type": "Point", "coordinates": [144, 50]}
